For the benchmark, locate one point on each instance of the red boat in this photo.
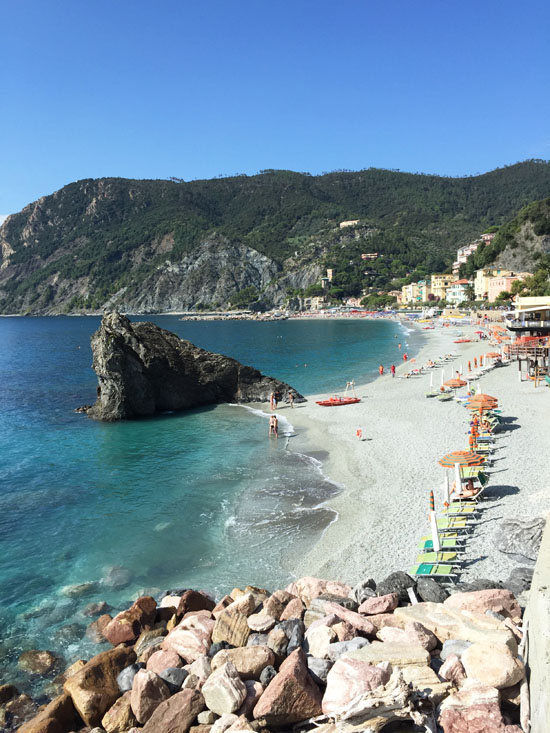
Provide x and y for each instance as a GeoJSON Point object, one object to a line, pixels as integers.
{"type": "Point", "coordinates": [345, 400]}
{"type": "Point", "coordinates": [336, 401]}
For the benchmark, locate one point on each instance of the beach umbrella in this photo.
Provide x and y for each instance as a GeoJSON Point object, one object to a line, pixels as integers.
{"type": "Point", "coordinates": [454, 383]}
{"type": "Point", "coordinates": [432, 501]}
{"type": "Point", "coordinates": [462, 457]}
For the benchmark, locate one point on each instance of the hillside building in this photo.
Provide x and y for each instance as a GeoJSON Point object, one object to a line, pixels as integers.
{"type": "Point", "coordinates": [440, 283]}
{"type": "Point", "coordinates": [350, 223]}
{"type": "Point", "coordinates": [503, 284]}
{"type": "Point", "coordinates": [481, 282]}
{"type": "Point", "coordinates": [424, 290]}
{"type": "Point", "coordinates": [458, 292]}
{"type": "Point", "coordinates": [410, 294]}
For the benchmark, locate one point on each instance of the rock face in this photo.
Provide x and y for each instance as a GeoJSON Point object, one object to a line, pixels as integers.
{"type": "Point", "coordinates": [520, 538]}
{"type": "Point", "coordinates": [143, 369]}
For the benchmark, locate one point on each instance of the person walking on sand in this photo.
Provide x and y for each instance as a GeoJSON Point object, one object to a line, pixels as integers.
{"type": "Point", "coordinates": [381, 370]}
{"type": "Point", "coordinates": [291, 397]}
{"type": "Point", "coordinates": [274, 426]}
{"type": "Point", "coordinates": [392, 370]}
{"type": "Point", "coordinates": [272, 403]}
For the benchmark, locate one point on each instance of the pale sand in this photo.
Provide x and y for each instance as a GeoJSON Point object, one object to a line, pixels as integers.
{"type": "Point", "coordinates": [384, 507]}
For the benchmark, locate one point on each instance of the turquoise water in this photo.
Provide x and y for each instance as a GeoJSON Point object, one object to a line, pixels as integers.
{"type": "Point", "coordinates": [200, 499]}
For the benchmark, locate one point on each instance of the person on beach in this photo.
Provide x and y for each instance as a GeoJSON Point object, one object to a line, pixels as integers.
{"type": "Point", "coordinates": [291, 397]}
{"type": "Point", "coordinates": [467, 492]}
{"type": "Point", "coordinates": [272, 404]}
{"type": "Point", "coordinates": [381, 370]}
{"type": "Point", "coordinates": [274, 426]}
{"type": "Point", "coordinates": [392, 370]}
{"type": "Point", "coordinates": [469, 366]}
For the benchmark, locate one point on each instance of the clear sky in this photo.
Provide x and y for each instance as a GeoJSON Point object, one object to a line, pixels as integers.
{"type": "Point", "coordinates": [199, 88]}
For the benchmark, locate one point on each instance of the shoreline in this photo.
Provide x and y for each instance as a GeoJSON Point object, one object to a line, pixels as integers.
{"type": "Point", "coordinates": [383, 508]}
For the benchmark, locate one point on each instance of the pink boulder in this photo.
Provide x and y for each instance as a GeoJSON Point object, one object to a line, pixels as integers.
{"type": "Point", "coordinates": [148, 691]}
{"type": "Point", "coordinates": [362, 624]}
{"type": "Point", "coordinates": [380, 604]}
{"type": "Point", "coordinates": [161, 660]}
{"type": "Point", "coordinates": [452, 670]}
{"type": "Point", "coordinates": [309, 588]}
{"type": "Point", "coordinates": [190, 644]}
{"type": "Point", "coordinates": [494, 599]}
{"type": "Point", "coordinates": [293, 609]}
{"type": "Point", "coordinates": [128, 625]}
{"type": "Point", "coordinates": [292, 695]}
{"type": "Point", "coordinates": [349, 678]}
{"type": "Point", "coordinates": [476, 719]}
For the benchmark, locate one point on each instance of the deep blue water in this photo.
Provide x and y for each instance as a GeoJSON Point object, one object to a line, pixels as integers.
{"type": "Point", "coordinates": [200, 499]}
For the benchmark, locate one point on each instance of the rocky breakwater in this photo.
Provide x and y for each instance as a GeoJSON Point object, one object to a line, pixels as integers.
{"type": "Point", "coordinates": [143, 369]}
{"type": "Point", "coordinates": [318, 655]}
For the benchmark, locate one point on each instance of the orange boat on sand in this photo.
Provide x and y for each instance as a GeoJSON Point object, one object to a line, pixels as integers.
{"type": "Point", "coordinates": [345, 400]}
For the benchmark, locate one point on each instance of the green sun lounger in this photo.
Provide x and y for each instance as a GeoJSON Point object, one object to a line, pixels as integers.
{"type": "Point", "coordinates": [459, 508]}
{"type": "Point", "coordinates": [446, 544]}
{"type": "Point", "coordinates": [434, 570]}
{"type": "Point", "coordinates": [435, 557]}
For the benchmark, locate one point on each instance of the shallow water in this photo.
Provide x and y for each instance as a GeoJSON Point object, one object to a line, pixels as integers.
{"type": "Point", "coordinates": [200, 499]}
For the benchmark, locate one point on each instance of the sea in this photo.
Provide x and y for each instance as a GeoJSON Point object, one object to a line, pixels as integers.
{"type": "Point", "coordinates": [92, 511]}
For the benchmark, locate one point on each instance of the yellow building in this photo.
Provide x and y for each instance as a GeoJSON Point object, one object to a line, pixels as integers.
{"type": "Point", "coordinates": [424, 290]}
{"type": "Point", "coordinates": [440, 283]}
{"type": "Point", "coordinates": [481, 282]}
{"type": "Point", "coordinates": [410, 293]}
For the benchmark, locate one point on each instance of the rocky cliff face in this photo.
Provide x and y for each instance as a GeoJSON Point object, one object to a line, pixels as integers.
{"type": "Point", "coordinates": [143, 369]}
{"type": "Point", "coordinates": [521, 255]}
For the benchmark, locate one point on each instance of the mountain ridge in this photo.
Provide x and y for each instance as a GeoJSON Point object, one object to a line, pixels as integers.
{"type": "Point", "coordinates": [153, 245]}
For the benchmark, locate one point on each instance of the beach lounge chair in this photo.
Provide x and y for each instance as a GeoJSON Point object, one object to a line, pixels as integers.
{"type": "Point", "coordinates": [452, 543]}
{"type": "Point", "coordinates": [434, 570]}
{"type": "Point", "coordinates": [452, 524]}
{"type": "Point", "coordinates": [459, 509]}
{"type": "Point", "coordinates": [437, 557]}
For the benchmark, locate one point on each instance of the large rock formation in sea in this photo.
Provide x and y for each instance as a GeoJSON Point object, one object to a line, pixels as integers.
{"type": "Point", "coordinates": [143, 369]}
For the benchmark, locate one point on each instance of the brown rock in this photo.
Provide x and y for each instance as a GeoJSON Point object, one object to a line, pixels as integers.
{"type": "Point", "coordinates": [177, 714]}
{"type": "Point", "coordinates": [147, 639]}
{"type": "Point", "coordinates": [128, 625]}
{"type": "Point", "coordinates": [413, 633]}
{"type": "Point", "coordinates": [492, 664]}
{"type": "Point", "coordinates": [120, 716]}
{"type": "Point", "coordinates": [148, 691]}
{"type": "Point", "coordinates": [203, 728]}
{"type": "Point", "coordinates": [494, 599]}
{"type": "Point", "coordinates": [344, 631]}
{"type": "Point", "coordinates": [20, 708]}
{"type": "Point", "coordinates": [293, 609]}
{"type": "Point", "coordinates": [162, 659]}
{"type": "Point", "coordinates": [240, 724]}
{"type": "Point", "coordinates": [380, 604]}
{"type": "Point", "coordinates": [94, 688]}
{"type": "Point", "coordinates": [56, 717]}
{"type": "Point", "coordinates": [7, 692]}
{"type": "Point", "coordinates": [40, 662]}
{"type": "Point", "coordinates": [292, 695]}
{"type": "Point", "coordinates": [192, 600]}
{"type": "Point", "coordinates": [363, 625]}
{"type": "Point", "coordinates": [277, 641]}
{"type": "Point", "coordinates": [254, 691]}
{"type": "Point", "coordinates": [476, 719]}
{"type": "Point", "coordinates": [248, 660]}
{"type": "Point", "coordinates": [245, 604]}
{"type": "Point", "coordinates": [380, 620]}
{"type": "Point", "coordinates": [274, 607]}
{"type": "Point", "coordinates": [95, 630]}
{"type": "Point", "coordinates": [221, 606]}
{"type": "Point", "coordinates": [261, 622]}
{"type": "Point", "coordinates": [231, 627]}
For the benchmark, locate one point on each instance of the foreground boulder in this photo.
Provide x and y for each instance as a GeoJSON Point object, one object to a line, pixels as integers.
{"type": "Point", "coordinates": [143, 369]}
{"type": "Point", "coordinates": [94, 688]}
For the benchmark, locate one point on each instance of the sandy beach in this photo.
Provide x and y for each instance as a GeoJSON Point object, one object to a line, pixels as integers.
{"type": "Point", "coordinates": [384, 506]}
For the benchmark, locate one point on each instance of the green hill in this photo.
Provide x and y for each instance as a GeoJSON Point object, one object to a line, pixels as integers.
{"type": "Point", "coordinates": [145, 245]}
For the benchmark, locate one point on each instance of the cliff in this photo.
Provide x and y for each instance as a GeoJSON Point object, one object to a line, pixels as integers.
{"type": "Point", "coordinates": [143, 369]}
{"type": "Point", "coordinates": [249, 241]}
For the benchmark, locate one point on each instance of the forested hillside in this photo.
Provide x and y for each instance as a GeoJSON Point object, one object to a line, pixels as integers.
{"type": "Point", "coordinates": [164, 245]}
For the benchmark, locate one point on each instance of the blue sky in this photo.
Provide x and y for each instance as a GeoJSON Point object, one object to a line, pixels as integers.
{"type": "Point", "coordinates": [197, 89]}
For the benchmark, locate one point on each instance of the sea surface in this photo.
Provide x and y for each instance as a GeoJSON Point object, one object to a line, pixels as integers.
{"type": "Point", "coordinates": [199, 499]}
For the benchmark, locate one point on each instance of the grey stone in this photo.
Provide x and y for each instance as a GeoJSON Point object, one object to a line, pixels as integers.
{"type": "Point", "coordinates": [319, 669]}
{"type": "Point", "coordinates": [430, 590]}
{"type": "Point", "coordinates": [349, 603]}
{"type": "Point", "coordinates": [125, 678]}
{"type": "Point", "coordinates": [520, 538]}
{"type": "Point", "coordinates": [474, 585]}
{"type": "Point", "coordinates": [519, 580]}
{"type": "Point", "coordinates": [294, 629]}
{"type": "Point", "coordinates": [174, 677]}
{"type": "Point", "coordinates": [338, 648]}
{"type": "Point", "coordinates": [218, 646]}
{"type": "Point", "coordinates": [363, 590]}
{"type": "Point", "coordinates": [494, 614]}
{"type": "Point", "coordinates": [256, 640]}
{"type": "Point", "coordinates": [267, 674]}
{"type": "Point", "coordinates": [454, 646]}
{"type": "Point", "coordinates": [396, 582]}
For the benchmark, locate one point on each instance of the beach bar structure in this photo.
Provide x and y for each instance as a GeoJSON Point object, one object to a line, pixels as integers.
{"type": "Point", "coordinates": [529, 323]}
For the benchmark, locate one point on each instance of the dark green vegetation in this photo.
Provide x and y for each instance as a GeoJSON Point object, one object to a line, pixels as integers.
{"type": "Point", "coordinates": [75, 249]}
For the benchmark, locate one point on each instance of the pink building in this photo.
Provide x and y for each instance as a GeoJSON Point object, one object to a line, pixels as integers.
{"type": "Point", "coordinates": [499, 284]}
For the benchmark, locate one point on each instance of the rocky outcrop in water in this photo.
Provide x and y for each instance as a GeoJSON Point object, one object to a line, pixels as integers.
{"type": "Point", "coordinates": [143, 369]}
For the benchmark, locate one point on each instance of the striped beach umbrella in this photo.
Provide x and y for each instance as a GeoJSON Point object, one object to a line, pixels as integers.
{"type": "Point", "coordinates": [484, 396]}
{"type": "Point", "coordinates": [432, 502]}
{"type": "Point", "coordinates": [462, 457]}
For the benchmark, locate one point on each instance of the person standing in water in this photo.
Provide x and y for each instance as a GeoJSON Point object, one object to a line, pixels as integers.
{"type": "Point", "coordinates": [274, 426]}
{"type": "Point", "coordinates": [399, 346]}
{"type": "Point", "coordinates": [392, 370]}
{"type": "Point", "coordinates": [381, 369]}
